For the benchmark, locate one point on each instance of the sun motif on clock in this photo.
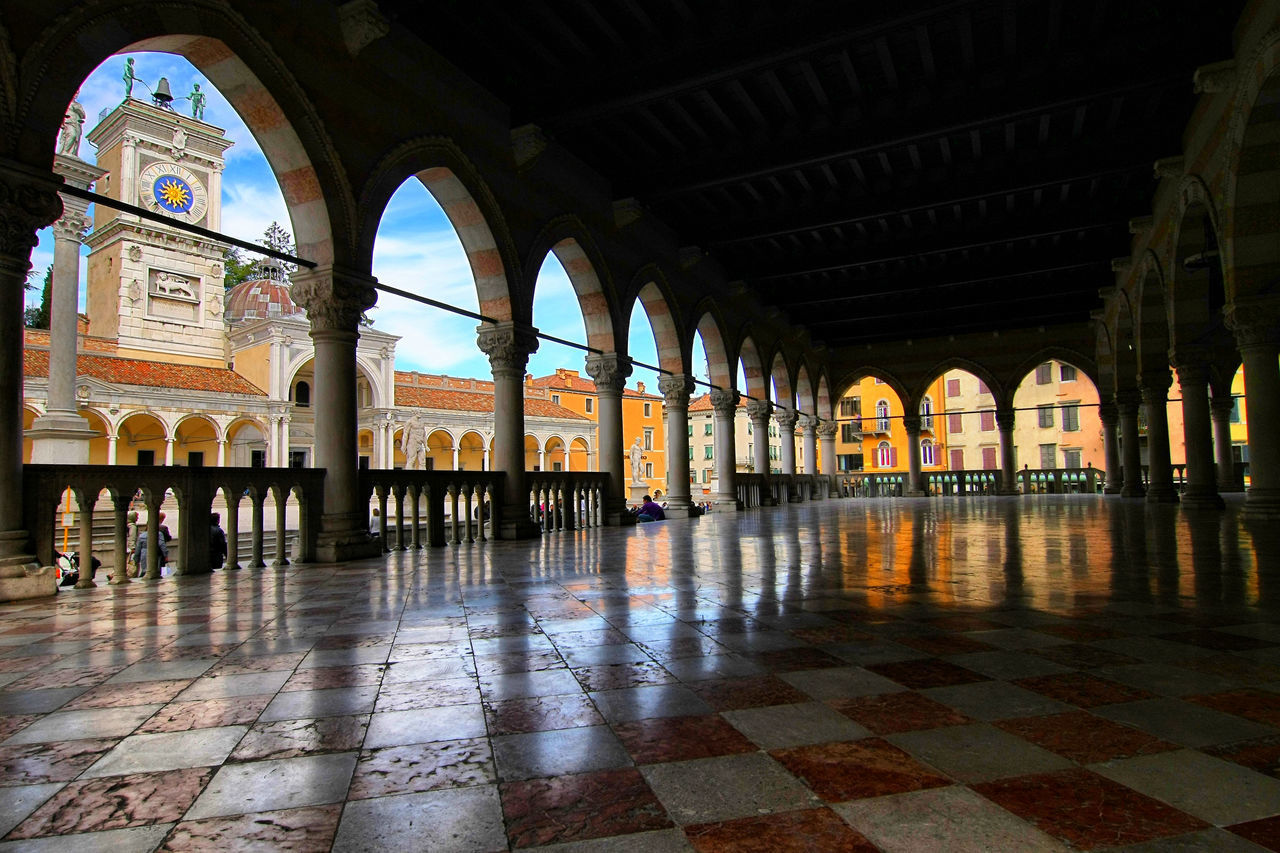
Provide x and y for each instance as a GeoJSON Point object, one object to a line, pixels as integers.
{"type": "Point", "coordinates": [173, 190]}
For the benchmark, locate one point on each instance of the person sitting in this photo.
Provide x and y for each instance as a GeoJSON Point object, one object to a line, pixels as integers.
{"type": "Point", "coordinates": [650, 511]}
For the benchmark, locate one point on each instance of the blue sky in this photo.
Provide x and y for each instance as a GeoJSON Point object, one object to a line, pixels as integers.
{"type": "Point", "coordinates": [416, 248]}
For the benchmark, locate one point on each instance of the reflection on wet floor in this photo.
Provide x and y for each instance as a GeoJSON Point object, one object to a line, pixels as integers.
{"type": "Point", "coordinates": [1021, 673]}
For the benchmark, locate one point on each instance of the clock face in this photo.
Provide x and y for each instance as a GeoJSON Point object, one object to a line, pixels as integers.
{"type": "Point", "coordinates": [173, 190]}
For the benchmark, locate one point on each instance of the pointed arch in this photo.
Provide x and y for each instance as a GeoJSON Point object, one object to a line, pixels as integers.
{"type": "Point", "coordinates": [753, 369]}
{"type": "Point", "coordinates": [655, 297]}
{"type": "Point", "coordinates": [1072, 357]}
{"type": "Point", "coordinates": [1152, 318]}
{"type": "Point", "coordinates": [998, 389]}
{"type": "Point", "coordinates": [571, 243]}
{"type": "Point", "coordinates": [804, 391]}
{"type": "Point", "coordinates": [852, 377]}
{"type": "Point", "coordinates": [710, 327]}
{"type": "Point", "coordinates": [1196, 292]}
{"type": "Point", "coordinates": [826, 408]}
{"type": "Point", "coordinates": [783, 385]}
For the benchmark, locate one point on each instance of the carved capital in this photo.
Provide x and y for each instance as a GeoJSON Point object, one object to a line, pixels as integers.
{"type": "Point", "coordinates": [609, 371]}
{"type": "Point", "coordinates": [28, 202]}
{"type": "Point", "coordinates": [809, 423]}
{"type": "Point", "coordinates": [1006, 419]}
{"type": "Point", "coordinates": [334, 300]}
{"type": "Point", "coordinates": [911, 423]}
{"type": "Point", "coordinates": [1222, 407]}
{"type": "Point", "coordinates": [71, 226]}
{"type": "Point", "coordinates": [1254, 320]}
{"type": "Point", "coordinates": [1109, 414]}
{"type": "Point", "coordinates": [1192, 364]}
{"type": "Point", "coordinates": [725, 402]}
{"type": "Point", "coordinates": [508, 345]}
{"type": "Point", "coordinates": [759, 410]}
{"type": "Point", "coordinates": [786, 420]}
{"type": "Point", "coordinates": [1215, 77]}
{"type": "Point", "coordinates": [1127, 401]}
{"type": "Point", "coordinates": [1154, 385]}
{"type": "Point", "coordinates": [676, 389]}
{"type": "Point", "coordinates": [828, 429]}
{"type": "Point", "coordinates": [361, 24]}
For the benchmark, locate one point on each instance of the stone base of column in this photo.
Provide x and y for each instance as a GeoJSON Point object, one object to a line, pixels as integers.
{"type": "Point", "coordinates": [915, 493]}
{"type": "Point", "coordinates": [21, 577]}
{"type": "Point", "coordinates": [1162, 495]}
{"type": "Point", "coordinates": [345, 537]}
{"type": "Point", "coordinates": [1202, 499]}
{"type": "Point", "coordinates": [726, 503]}
{"type": "Point", "coordinates": [1262, 505]}
{"type": "Point", "coordinates": [616, 514]}
{"type": "Point", "coordinates": [60, 438]}
{"type": "Point", "coordinates": [1008, 491]}
{"type": "Point", "coordinates": [1133, 491]}
{"type": "Point", "coordinates": [516, 524]}
{"type": "Point", "coordinates": [1110, 489]}
{"type": "Point", "coordinates": [678, 508]}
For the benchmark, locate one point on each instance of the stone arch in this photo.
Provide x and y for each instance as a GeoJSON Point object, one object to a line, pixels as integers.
{"type": "Point", "coordinates": [977, 369]}
{"type": "Point", "coordinates": [659, 304]}
{"type": "Point", "coordinates": [568, 239]}
{"type": "Point", "coordinates": [826, 409]}
{"type": "Point", "coordinates": [753, 369]}
{"type": "Point", "coordinates": [440, 444]}
{"type": "Point", "coordinates": [852, 377]}
{"type": "Point", "coordinates": [532, 446]}
{"type": "Point", "coordinates": [783, 387]}
{"type": "Point", "coordinates": [579, 454]}
{"type": "Point", "coordinates": [1152, 318]}
{"type": "Point", "coordinates": [555, 449]}
{"type": "Point", "coordinates": [1196, 292]}
{"type": "Point", "coordinates": [141, 431]}
{"type": "Point", "coordinates": [236, 59]}
{"type": "Point", "coordinates": [196, 433]}
{"type": "Point", "coordinates": [804, 391]}
{"type": "Point", "coordinates": [1251, 245]}
{"type": "Point", "coordinates": [1074, 358]}
{"type": "Point", "coordinates": [1126, 345]}
{"type": "Point", "coordinates": [710, 328]}
{"type": "Point", "coordinates": [1106, 349]}
{"type": "Point", "coordinates": [471, 207]}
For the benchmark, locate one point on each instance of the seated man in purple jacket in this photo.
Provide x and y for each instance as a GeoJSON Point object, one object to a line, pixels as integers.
{"type": "Point", "coordinates": [650, 511]}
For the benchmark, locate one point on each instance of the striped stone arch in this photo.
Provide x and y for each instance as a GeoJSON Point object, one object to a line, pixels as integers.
{"type": "Point", "coordinates": [999, 390]}
{"type": "Point", "coordinates": [783, 385]}
{"type": "Point", "coordinates": [237, 61]}
{"type": "Point", "coordinates": [852, 377]}
{"type": "Point", "coordinates": [472, 210]}
{"type": "Point", "coordinates": [804, 391]}
{"type": "Point", "coordinates": [658, 303]}
{"type": "Point", "coordinates": [753, 369]}
{"type": "Point", "coordinates": [1126, 344]}
{"type": "Point", "coordinates": [1194, 302]}
{"type": "Point", "coordinates": [826, 406]}
{"type": "Point", "coordinates": [569, 240]}
{"type": "Point", "coordinates": [1152, 317]}
{"type": "Point", "coordinates": [1251, 242]}
{"type": "Point", "coordinates": [1107, 367]}
{"type": "Point", "coordinates": [710, 328]}
{"type": "Point", "coordinates": [1075, 358]}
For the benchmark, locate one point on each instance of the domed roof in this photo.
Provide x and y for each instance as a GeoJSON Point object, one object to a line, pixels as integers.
{"type": "Point", "coordinates": [260, 299]}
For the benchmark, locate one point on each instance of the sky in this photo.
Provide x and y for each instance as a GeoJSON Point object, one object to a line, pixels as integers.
{"type": "Point", "coordinates": [416, 248]}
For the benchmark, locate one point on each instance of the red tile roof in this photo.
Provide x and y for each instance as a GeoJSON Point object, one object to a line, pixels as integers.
{"type": "Point", "coordinates": [462, 401]}
{"type": "Point", "coordinates": [571, 382]}
{"type": "Point", "coordinates": [151, 374]}
{"type": "Point", "coordinates": [40, 338]}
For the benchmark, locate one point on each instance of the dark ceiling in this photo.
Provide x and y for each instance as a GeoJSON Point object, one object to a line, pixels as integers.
{"type": "Point", "coordinates": [879, 170]}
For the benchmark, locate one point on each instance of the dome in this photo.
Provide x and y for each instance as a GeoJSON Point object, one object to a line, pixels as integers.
{"type": "Point", "coordinates": [260, 299]}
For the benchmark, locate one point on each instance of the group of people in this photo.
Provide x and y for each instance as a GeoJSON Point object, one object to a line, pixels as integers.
{"type": "Point", "coordinates": [137, 544]}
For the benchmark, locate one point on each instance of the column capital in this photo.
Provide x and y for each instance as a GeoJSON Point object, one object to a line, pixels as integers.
{"type": "Point", "coordinates": [911, 423]}
{"type": "Point", "coordinates": [758, 410]}
{"type": "Point", "coordinates": [1109, 413]}
{"type": "Point", "coordinates": [71, 226]}
{"type": "Point", "coordinates": [609, 371]}
{"type": "Point", "coordinates": [1006, 419]}
{"type": "Point", "coordinates": [1193, 372]}
{"type": "Point", "coordinates": [725, 401]}
{"type": "Point", "coordinates": [334, 299]}
{"type": "Point", "coordinates": [809, 423]}
{"type": "Point", "coordinates": [29, 201]}
{"type": "Point", "coordinates": [1155, 383]}
{"type": "Point", "coordinates": [1222, 407]}
{"type": "Point", "coordinates": [1255, 320]}
{"type": "Point", "coordinates": [786, 420]}
{"type": "Point", "coordinates": [1128, 399]}
{"type": "Point", "coordinates": [508, 345]}
{"type": "Point", "coordinates": [828, 429]}
{"type": "Point", "coordinates": [676, 388]}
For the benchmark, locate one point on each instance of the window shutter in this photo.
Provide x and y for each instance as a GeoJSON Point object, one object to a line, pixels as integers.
{"type": "Point", "coordinates": [893, 457]}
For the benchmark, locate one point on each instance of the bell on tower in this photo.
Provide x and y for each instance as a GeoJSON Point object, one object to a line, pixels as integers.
{"type": "Point", "coordinates": [162, 97]}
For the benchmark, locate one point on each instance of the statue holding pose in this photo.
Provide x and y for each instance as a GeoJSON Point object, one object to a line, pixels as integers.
{"type": "Point", "coordinates": [413, 444]}
{"type": "Point", "coordinates": [72, 128]}
{"type": "Point", "coordinates": [636, 453]}
{"type": "Point", "coordinates": [129, 78]}
{"type": "Point", "coordinates": [197, 99]}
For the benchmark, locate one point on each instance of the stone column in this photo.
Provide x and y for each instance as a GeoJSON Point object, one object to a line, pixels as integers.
{"type": "Point", "coordinates": [1256, 323]}
{"type": "Point", "coordinates": [112, 440]}
{"type": "Point", "coordinates": [809, 443]}
{"type": "Point", "coordinates": [1127, 402]}
{"type": "Point", "coordinates": [1197, 428]}
{"type": "Point", "coordinates": [335, 300]}
{"type": "Point", "coordinates": [758, 412]}
{"type": "Point", "coordinates": [455, 457]}
{"type": "Point", "coordinates": [914, 488]}
{"type": "Point", "coordinates": [786, 421]}
{"type": "Point", "coordinates": [168, 450]}
{"type": "Point", "coordinates": [1155, 397]}
{"type": "Point", "coordinates": [542, 459]}
{"type": "Point", "coordinates": [1221, 409]}
{"type": "Point", "coordinates": [827, 436]}
{"type": "Point", "coordinates": [222, 453]}
{"type": "Point", "coordinates": [509, 346]}
{"type": "Point", "coordinates": [1109, 414]}
{"type": "Point", "coordinates": [676, 389]}
{"type": "Point", "coordinates": [28, 202]}
{"type": "Point", "coordinates": [610, 372]}
{"type": "Point", "coordinates": [1005, 421]}
{"type": "Point", "coordinates": [285, 420]}
{"type": "Point", "coordinates": [724, 401]}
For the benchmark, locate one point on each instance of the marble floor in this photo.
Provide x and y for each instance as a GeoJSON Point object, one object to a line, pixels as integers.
{"type": "Point", "coordinates": [1070, 673]}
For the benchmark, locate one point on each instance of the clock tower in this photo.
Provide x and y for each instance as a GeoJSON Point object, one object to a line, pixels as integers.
{"type": "Point", "coordinates": [157, 290]}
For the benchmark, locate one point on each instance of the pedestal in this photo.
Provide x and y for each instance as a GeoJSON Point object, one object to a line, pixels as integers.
{"type": "Point", "coordinates": [60, 438]}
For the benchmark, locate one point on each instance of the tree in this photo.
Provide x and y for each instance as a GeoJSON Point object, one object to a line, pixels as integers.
{"type": "Point", "coordinates": [238, 268]}
{"type": "Point", "coordinates": [37, 317]}
{"type": "Point", "coordinates": [235, 268]}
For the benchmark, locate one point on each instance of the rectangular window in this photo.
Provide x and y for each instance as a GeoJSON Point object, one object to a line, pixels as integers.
{"type": "Point", "coordinates": [928, 454]}
{"type": "Point", "coordinates": [1071, 420]}
{"type": "Point", "coordinates": [257, 459]}
{"type": "Point", "coordinates": [591, 405]}
{"type": "Point", "coordinates": [879, 381]}
{"type": "Point", "coordinates": [690, 430]}
{"type": "Point", "coordinates": [648, 470]}
{"type": "Point", "coordinates": [751, 452]}
{"type": "Point", "coordinates": [989, 459]}
{"type": "Point", "coordinates": [706, 475]}
{"type": "Point", "coordinates": [982, 387]}
{"type": "Point", "coordinates": [708, 452]}
{"type": "Point", "coordinates": [555, 398]}
{"type": "Point", "coordinates": [557, 466]}
{"type": "Point", "coordinates": [773, 430]}
{"type": "Point", "coordinates": [955, 422]}
{"type": "Point", "coordinates": [1235, 410]}
{"type": "Point", "coordinates": [195, 459]}
{"type": "Point", "coordinates": [850, 407]}
{"type": "Point", "coordinates": [988, 417]}
{"type": "Point", "coordinates": [706, 428]}
{"type": "Point", "coordinates": [1048, 456]}
{"type": "Point", "coordinates": [648, 410]}
{"type": "Point", "coordinates": [1067, 373]}
{"type": "Point", "coordinates": [953, 387]}
{"type": "Point", "coordinates": [1045, 414]}
{"type": "Point", "coordinates": [749, 428]}
{"type": "Point", "coordinates": [1070, 458]}
{"type": "Point", "coordinates": [690, 454]}
{"type": "Point", "coordinates": [773, 452]}
{"type": "Point", "coordinates": [1044, 373]}
{"type": "Point", "coordinates": [957, 459]}
{"type": "Point", "coordinates": [648, 438]}
{"type": "Point", "coordinates": [848, 432]}
{"type": "Point", "coordinates": [146, 458]}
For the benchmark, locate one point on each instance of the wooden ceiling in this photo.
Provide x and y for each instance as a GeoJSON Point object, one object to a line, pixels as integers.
{"type": "Point", "coordinates": [877, 170]}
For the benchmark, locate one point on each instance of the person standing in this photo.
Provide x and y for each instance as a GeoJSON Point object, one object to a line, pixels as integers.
{"type": "Point", "coordinates": [217, 542]}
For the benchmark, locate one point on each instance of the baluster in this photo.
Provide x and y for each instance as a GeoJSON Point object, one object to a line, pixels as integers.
{"type": "Point", "coordinates": [416, 537]}
{"type": "Point", "coordinates": [400, 492]}
{"type": "Point", "coordinates": [382, 518]}
{"type": "Point", "coordinates": [281, 495]}
{"type": "Point", "coordinates": [469, 493]}
{"type": "Point", "coordinates": [570, 513]}
{"type": "Point", "coordinates": [257, 500]}
{"type": "Point", "coordinates": [453, 511]}
{"type": "Point", "coordinates": [85, 556]}
{"type": "Point", "coordinates": [484, 491]}
{"type": "Point", "coordinates": [231, 496]}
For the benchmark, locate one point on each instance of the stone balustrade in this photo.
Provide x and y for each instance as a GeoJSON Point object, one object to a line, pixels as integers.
{"type": "Point", "coordinates": [552, 492]}
{"type": "Point", "coordinates": [459, 506]}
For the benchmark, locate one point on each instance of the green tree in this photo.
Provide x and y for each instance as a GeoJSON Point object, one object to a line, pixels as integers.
{"type": "Point", "coordinates": [235, 268]}
{"type": "Point", "coordinates": [37, 317]}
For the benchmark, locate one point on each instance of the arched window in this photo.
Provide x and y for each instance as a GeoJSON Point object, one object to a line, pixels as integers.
{"type": "Point", "coordinates": [882, 416]}
{"type": "Point", "coordinates": [302, 395]}
{"type": "Point", "coordinates": [926, 413]}
{"type": "Point", "coordinates": [886, 456]}
{"type": "Point", "coordinates": [928, 453]}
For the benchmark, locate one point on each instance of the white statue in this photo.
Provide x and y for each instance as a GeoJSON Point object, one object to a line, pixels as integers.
{"type": "Point", "coordinates": [636, 452]}
{"type": "Point", "coordinates": [413, 444]}
{"type": "Point", "coordinates": [72, 128]}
